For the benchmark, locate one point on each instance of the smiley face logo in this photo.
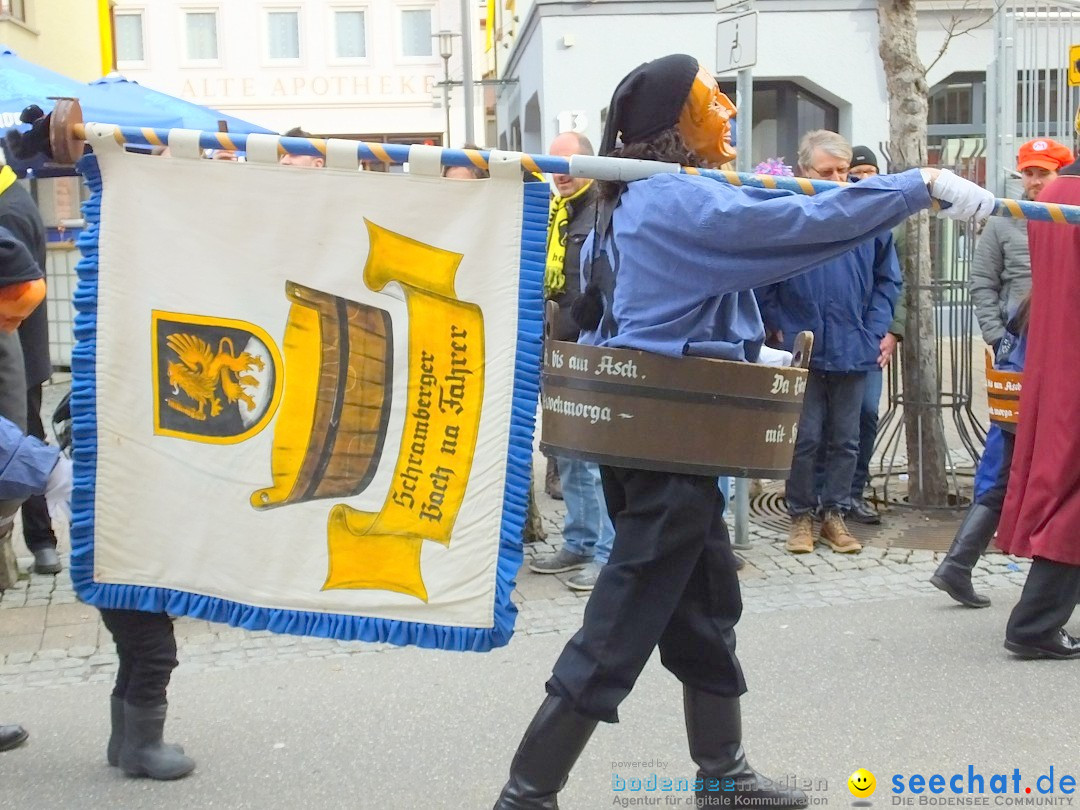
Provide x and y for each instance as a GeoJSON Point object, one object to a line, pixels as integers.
{"type": "Point", "coordinates": [862, 783]}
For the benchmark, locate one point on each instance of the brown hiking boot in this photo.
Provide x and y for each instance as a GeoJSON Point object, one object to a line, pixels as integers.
{"type": "Point", "coordinates": [836, 534]}
{"type": "Point", "coordinates": [801, 535]}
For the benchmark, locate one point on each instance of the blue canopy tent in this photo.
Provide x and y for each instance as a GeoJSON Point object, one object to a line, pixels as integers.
{"type": "Point", "coordinates": [110, 100]}
{"type": "Point", "coordinates": [23, 83]}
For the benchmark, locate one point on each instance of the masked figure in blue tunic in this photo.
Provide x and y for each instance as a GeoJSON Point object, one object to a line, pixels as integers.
{"type": "Point", "coordinates": [668, 269]}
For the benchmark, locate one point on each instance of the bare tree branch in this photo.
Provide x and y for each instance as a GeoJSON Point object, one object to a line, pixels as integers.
{"type": "Point", "coordinates": [953, 29]}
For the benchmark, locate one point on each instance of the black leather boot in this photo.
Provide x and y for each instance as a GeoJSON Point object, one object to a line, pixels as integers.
{"type": "Point", "coordinates": [714, 730]}
{"type": "Point", "coordinates": [143, 752]}
{"type": "Point", "coordinates": [116, 736]}
{"type": "Point", "coordinates": [552, 743]}
{"type": "Point", "coordinates": [954, 574]}
{"type": "Point", "coordinates": [12, 737]}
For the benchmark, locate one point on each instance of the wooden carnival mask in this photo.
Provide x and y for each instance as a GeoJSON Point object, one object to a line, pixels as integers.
{"type": "Point", "coordinates": [705, 121]}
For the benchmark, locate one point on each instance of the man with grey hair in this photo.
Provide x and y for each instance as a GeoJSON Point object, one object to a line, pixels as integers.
{"type": "Point", "coordinates": [848, 304]}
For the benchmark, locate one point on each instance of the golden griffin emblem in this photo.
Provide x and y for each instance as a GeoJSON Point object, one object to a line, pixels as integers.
{"type": "Point", "coordinates": [216, 380]}
{"type": "Point", "coordinates": [201, 372]}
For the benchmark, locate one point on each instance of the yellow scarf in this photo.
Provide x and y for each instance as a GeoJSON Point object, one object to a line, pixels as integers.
{"type": "Point", "coordinates": [558, 221]}
{"type": "Point", "coordinates": [7, 178]}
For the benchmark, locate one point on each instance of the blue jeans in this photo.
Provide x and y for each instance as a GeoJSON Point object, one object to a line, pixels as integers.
{"type": "Point", "coordinates": [830, 417]}
{"type": "Point", "coordinates": [587, 531]}
{"type": "Point", "coordinates": [868, 423]}
{"type": "Point", "coordinates": [986, 474]}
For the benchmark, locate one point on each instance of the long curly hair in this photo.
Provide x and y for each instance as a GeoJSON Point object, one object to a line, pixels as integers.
{"type": "Point", "coordinates": [667, 147]}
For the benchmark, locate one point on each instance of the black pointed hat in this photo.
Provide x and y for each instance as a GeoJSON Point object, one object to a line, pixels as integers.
{"type": "Point", "coordinates": [649, 100]}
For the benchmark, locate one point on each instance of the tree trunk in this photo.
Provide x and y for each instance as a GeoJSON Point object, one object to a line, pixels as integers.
{"type": "Point", "coordinates": [905, 80]}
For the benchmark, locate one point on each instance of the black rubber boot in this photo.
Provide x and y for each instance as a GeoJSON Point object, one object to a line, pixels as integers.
{"type": "Point", "coordinates": [116, 737]}
{"type": "Point", "coordinates": [954, 574]}
{"type": "Point", "coordinates": [552, 743]}
{"type": "Point", "coordinates": [714, 730]}
{"type": "Point", "coordinates": [143, 752]}
{"type": "Point", "coordinates": [12, 737]}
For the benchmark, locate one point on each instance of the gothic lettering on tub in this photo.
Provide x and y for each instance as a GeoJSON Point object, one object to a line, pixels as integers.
{"type": "Point", "coordinates": [623, 368]}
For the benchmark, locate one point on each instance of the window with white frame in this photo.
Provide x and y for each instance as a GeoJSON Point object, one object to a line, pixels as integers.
{"type": "Point", "coordinates": [350, 34]}
{"type": "Point", "coordinates": [201, 28]}
{"type": "Point", "coordinates": [129, 37]}
{"type": "Point", "coordinates": [14, 8]}
{"type": "Point", "coordinates": [416, 32]}
{"type": "Point", "coordinates": [283, 34]}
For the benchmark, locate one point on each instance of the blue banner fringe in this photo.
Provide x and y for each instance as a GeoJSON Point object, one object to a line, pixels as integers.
{"type": "Point", "coordinates": [297, 622]}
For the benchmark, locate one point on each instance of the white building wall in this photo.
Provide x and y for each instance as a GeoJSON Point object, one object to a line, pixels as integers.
{"type": "Point", "coordinates": [384, 92]}
{"type": "Point", "coordinates": [829, 48]}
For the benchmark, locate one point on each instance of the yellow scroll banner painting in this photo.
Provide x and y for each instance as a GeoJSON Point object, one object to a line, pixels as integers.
{"type": "Point", "coordinates": [443, 402]}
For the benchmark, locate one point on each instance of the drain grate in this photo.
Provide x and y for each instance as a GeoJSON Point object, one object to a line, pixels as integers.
{"type": "Point", "coordinates": [900, 527]}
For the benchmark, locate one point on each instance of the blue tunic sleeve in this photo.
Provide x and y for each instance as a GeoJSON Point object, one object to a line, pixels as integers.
{"type": "Point", "coordinates": [745, 238]}
{"type": "Point", "coordinates": [25, 463]}
{"type": "Point", "coordinates": [679, 244]}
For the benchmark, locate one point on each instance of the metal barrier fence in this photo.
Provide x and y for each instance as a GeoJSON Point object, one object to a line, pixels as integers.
{"type": "Point", "coordinates": [952, 246]}
{"type": "Point", "coordinates": [1028, 95]}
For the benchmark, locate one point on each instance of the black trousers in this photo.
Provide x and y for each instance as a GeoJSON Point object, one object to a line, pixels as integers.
{"type": "Point", "coordinates": [671, 581]}
{"type": "Point", "coordinates": [37, 525]}
{"type": "Point", "coordinates": [146, 646]}
{"type": "Point", "coordinates": [1047, 602]}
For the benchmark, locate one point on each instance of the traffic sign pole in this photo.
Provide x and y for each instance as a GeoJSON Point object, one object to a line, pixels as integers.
{"type": "Point", "coordinates": [745, 41]}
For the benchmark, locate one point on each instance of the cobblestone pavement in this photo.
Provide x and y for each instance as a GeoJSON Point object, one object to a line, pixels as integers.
{"type": "Point", "coordinates": [50, 639]}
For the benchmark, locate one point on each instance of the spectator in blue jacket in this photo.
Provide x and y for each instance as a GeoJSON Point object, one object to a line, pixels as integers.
{"type": "Point", "coordinates": [848, 304]}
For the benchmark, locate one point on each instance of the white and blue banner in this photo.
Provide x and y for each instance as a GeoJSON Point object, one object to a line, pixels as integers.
{"type": "Point", "coordinates": [303, 398]}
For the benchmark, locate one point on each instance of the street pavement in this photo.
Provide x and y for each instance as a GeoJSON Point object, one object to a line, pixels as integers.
{"type": "Point", "coordinates": [851, 662]}
{"type": "Point", "coordinates": [908, 684]}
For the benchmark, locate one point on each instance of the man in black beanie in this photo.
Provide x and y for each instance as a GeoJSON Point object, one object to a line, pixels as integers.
{"type": "Point", "coordinates": [863, 164]}
{"type": "Point", "coordinates": [665, 268]}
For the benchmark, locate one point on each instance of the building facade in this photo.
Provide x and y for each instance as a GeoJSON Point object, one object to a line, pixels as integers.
{"type": "Point", "coordinates": [69, 36]}
{"type": "Point", "coordinates": [358, 68]}
{"type": "Point", "coordinates": [817, 65]}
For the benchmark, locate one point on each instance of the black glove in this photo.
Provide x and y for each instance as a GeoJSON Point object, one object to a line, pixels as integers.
{"type": "Point", "coordinates": [28, 145]}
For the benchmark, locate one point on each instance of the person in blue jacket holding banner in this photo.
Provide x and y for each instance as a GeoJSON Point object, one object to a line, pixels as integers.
{"type": "Point", "coordinates": [669, 269]}
{"type": "Point", "coordinates": [953, 574]}
{"type": "Point", "coordinates": [145, 640]}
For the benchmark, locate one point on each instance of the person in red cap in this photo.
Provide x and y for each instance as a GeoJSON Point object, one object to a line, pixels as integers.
{"type": "Point", "coordinates": [1000, 283]}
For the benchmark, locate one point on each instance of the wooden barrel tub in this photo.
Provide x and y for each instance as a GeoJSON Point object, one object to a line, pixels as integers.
{"type": "Point", "coordinates": [627, 408]}
{"type": "Point", "coordinates": [330, 431]}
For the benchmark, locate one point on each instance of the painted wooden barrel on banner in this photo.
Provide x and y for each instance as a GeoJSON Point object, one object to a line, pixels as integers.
{"type": "Point", "coordinates": [1003, 393]}
{"type": "Point", "coordinates": [696, 415]}
{"type": "Point", "coordinates": [347, 349]}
